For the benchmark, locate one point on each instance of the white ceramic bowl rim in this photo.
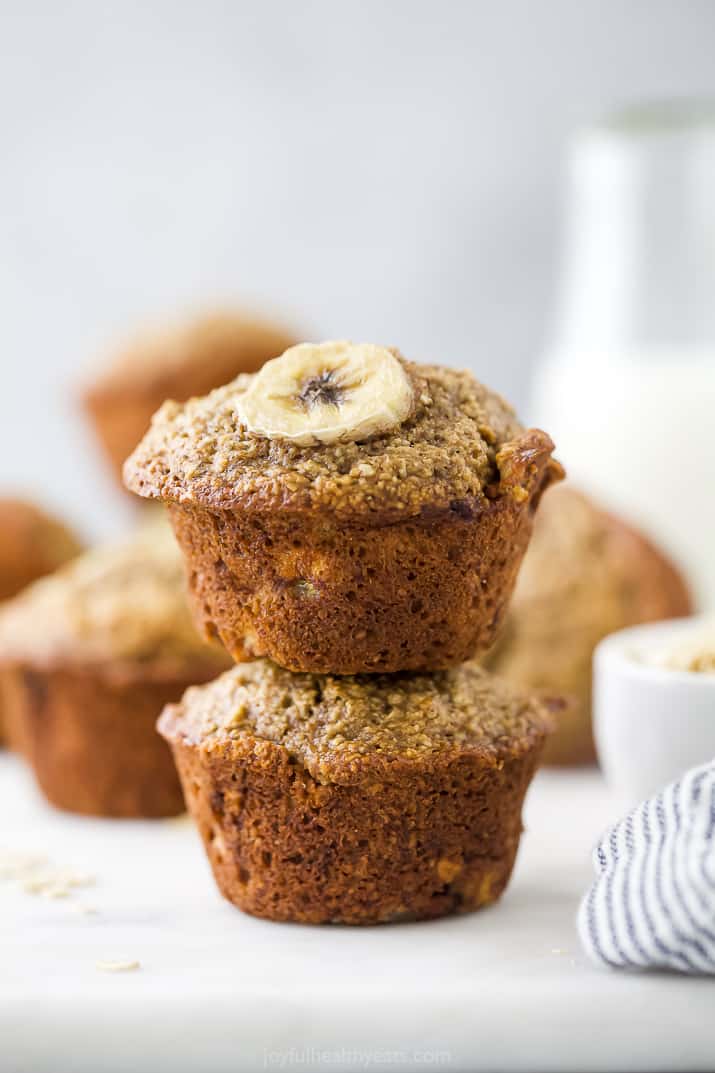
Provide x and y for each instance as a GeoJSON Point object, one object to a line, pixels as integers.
{"type": "Point", "coordinates": [621, 650]}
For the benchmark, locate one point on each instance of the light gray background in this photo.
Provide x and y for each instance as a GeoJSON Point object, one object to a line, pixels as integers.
{"type": "Point", "coordinates": [381, 170]}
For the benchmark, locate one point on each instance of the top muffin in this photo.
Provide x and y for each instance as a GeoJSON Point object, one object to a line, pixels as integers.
{"type": "Point", "coordinates": [354, 429]}
{"type": "Point", "coordinates": [347, 511]}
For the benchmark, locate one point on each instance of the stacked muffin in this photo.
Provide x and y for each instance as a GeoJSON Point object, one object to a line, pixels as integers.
{"type": "Point", "coordinates": [359, 520]}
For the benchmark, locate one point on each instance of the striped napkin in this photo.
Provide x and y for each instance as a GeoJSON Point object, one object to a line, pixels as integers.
{"type": "Point", "coordinates": [652, 904]}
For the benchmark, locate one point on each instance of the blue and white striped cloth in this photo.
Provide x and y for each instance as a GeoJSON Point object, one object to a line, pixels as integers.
{"type": "Point", "coordinates": [653, 902]}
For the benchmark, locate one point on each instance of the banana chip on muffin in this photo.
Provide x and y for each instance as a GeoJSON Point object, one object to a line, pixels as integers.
{"type": "Point", "coordinates": [346, 510]}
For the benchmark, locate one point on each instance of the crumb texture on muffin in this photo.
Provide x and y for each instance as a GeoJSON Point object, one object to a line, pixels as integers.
{"type": "Point", "coordinates": [123, 603]}
{"type": "Point", "coordinates": [330, 725]}
{"type": "Point", "coordinates": [319, 592]}
{"type": "Point", "coordinates": [445, 451]}
{"type": "Point", "coordinates": [394, 553]}
{"type": "Point", "coordinates": [357, 801]}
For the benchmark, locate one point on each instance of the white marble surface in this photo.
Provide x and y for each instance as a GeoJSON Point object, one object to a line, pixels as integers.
{"type": "Point", "coordinates": [505, 989]}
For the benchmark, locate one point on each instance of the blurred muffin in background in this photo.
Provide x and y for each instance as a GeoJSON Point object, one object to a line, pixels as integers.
{"type": "Point", "coordinates": [88, 659]}
{"type": "Point", "coordinates": [585, 575]}
{"type": "Point", "coordinates": [32, 544]}
{"type": "Point", "coordinates": [181, 361]}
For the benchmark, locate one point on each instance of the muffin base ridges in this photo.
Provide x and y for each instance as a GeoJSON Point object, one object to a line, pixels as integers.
{"type": "Point", "coordinates": [408, 840]}
{"type": "Point", "coordinates": [329, 595]}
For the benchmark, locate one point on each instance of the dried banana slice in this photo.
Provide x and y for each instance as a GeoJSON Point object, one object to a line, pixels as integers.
{"type": "Point", "coordinates": [327, 393]}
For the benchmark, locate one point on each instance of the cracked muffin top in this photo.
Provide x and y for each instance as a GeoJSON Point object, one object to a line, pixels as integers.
{"type": "Point", "coordinates": [350, 428]}
{"type": "Point", "coordinates": [32, 544]}
{"type": "Point", "coordinates": [122, 604]}
{"type": "Point", "coordinates": [333, 725]}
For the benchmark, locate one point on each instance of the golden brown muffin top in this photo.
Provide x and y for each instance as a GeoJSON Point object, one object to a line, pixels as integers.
{"type": "Point", "coordinates": [446, 450]}
{"type": "Point", "coordinates": [330, 724]}
{"type": "Point", "coordinates": [123, 603]}
{"type": "Point", "coordinates": [32, 544]}
{"type": "Point", "coordinates": [216, 343]}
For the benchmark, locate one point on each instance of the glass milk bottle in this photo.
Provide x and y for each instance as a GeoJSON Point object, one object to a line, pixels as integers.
{"type": "Point", "coordinates": [627, 389]}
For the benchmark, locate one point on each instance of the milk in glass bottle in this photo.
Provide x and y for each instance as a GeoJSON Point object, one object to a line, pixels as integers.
{"type": "Point", "coordinates": [628, 388]}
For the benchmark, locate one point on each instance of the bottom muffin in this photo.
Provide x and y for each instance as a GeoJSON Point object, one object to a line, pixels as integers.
{"type": "Point", "coordinates": [88, 659]}
{"type": "Point", "coordinates": [357, 800]}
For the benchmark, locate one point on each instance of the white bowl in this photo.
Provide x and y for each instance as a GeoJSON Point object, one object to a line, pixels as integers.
{"type": "Point", "coordinates": [651, 723]}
